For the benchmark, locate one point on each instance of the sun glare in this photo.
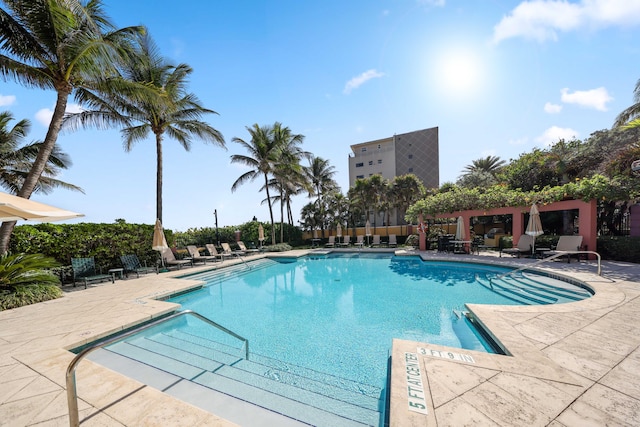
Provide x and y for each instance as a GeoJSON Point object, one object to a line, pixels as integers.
{"type": "Point", "coordinates": [458, 72]}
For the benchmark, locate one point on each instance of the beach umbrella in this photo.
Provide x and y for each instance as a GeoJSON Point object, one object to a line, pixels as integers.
{"type": "Point", "coordinates": [534, 226]}
{"type": "Point", "coordinates": [14, 208]}
{"type": "Point", "coordinates": [461, 233]}
{"type": "Point", "coordinates": [339, 230]}
{"type": "Point", "coordinates": [159, 240]}
{"type": "Point", "coordinates": [260, 234]}
{"type": "Point", "coordinates": [367, 230]}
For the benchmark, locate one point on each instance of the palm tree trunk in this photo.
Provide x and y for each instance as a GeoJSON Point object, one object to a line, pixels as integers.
{"type": "Point", "coordinates": [39, 164]}
{"type": "Point", "coordinates": [281, 217]}
{"type": "Point", "coordinates": [159, 177]}
{"type": "Point", "coordinates": [273, 229]}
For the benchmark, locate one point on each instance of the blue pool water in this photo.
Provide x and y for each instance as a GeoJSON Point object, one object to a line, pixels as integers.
{"type": "Point", "coordinates": [339, 314]}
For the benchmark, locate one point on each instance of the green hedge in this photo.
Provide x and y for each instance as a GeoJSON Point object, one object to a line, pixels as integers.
{"type": "Point", "coordinates": [619, 248]}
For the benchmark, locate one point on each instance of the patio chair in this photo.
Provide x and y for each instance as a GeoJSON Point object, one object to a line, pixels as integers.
{"type": "Point", "coordinates": [393, 241]}
{"type": "Point", "coordinates": [227, 251]}
{"type": "Point", "coordinates": [376, 240]}
{"type": "Point", "coordinates": [197, 257]}
{"type": "Point", "coordinates": [211, 248]}
{"type": "Point", "coordinates": [523, 248]}
{"type": "Point", "coordinates": [331, 243]}
{"type": "Point", "coordinates": [85, 271]}
{"type": "Point", "coordinates": [169, 260]}
{"type": "Point", "coordinates": [567, 245]}
{"type": "Point", "coordinates": [131, 264]}
{"type": "Point", "coordinates": [359, 241]}
{"type": "Point", "coordinates": [346, 242]}
{"type": "Point", "coordinates": [244, 249]}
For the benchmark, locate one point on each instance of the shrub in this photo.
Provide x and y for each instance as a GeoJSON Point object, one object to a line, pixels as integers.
{"type": "Point", "coordinates": [30, 294]}
{"type": "Point", "coordinates": [619, 248]}
{"type": "Point", "coordinates": [27, 279]}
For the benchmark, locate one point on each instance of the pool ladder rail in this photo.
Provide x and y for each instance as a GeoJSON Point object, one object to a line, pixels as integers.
{"type": "Point", "coordinates": [72, 394]}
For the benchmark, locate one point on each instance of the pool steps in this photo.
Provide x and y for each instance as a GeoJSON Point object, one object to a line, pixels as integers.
{"type": "Point", "coordinates": [528, 289]}
{"type": "Point", "coordinates": [299, 393]}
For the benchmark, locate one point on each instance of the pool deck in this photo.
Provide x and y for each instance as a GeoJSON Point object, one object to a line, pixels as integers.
{"type": "Point", "coordinates": [575, 364]}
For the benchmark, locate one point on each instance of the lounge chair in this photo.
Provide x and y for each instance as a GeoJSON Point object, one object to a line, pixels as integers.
{"type": "Point", "coordinates": [359, 241]}
{"type": "Point", "coordinates": [244, 249]}
{"type": "Point", "coordinates": [331, 243]}
{"type": "Point", "coordinates": [197, 257]}
{"type": "Point", "coordinates": [376, 240]}
{"type": "Point", "coordinates": [214, 252]}
{"type": "Point", "coordinates": [170, 260]}
{"type": "Point", "coordinates": [567, 245]}
{"type": "Point", "coordinates": [84, 271]}
{"type": "Point", "coordinates": [393, 241]}
{"type": "Point", "coordinates": [524, 246]}
{"type": "Point", "coordinates": [226, 250]}
{"type": "Point", "coordinates": [346, 242]}
{"type": "Point", "coordinates": [131, 264]}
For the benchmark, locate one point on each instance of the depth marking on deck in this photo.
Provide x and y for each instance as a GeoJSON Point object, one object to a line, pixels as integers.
{"type": "Point", "coordinates": [446, 355]}
{"type": "Point", "coordinates": [415, 389]}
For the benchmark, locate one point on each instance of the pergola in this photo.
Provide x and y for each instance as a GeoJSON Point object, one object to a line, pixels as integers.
{"type": "Point", "coordinates": [587, 221]}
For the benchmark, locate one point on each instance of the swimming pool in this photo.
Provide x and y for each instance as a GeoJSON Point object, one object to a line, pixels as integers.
{"type": "Point", "coordinates": [333, 318]}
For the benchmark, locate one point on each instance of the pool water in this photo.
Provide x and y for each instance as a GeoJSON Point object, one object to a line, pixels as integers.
{"type": "Point", "coordinates": [338, 314]}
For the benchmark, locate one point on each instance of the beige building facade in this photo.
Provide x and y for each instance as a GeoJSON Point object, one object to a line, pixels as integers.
{"type": "Point", "coordinates": [413, 152]}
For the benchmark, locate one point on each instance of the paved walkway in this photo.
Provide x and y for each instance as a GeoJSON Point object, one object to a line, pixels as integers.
{"type": "Point", "coordinates": [573, 364]}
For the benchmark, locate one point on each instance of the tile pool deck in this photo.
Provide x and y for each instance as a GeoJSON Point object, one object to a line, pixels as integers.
{"type": "Point", "coordinates": [575, 364]}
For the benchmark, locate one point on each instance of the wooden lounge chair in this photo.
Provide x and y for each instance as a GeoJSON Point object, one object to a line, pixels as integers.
{"type": "Point", "coordinates": [85, 271]}
{"type": "Point", "coordinates": [346, 242]}
{"type": "Point", "coordinates": [214, 252]}
{"type": "Point", "coordinates": [331, 243]}
{"type": "Point", "coordinates": [567, 245]}
{"type": "Point", "coordinates": [393, 241]}
{"type": "Point", "coordinates": [197, 257]}
{"type": "Point", "coordinates": [524, 246]}
{"type": "Point", "coordinates": [131, 264]}
{"type": "Point", "coordinates": [170, 260]}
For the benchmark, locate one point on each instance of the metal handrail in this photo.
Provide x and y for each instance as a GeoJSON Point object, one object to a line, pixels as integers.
{"type": "Point", "coordinates": [552, 257]}
{"type": "Point", "coordinates": [72, 394]}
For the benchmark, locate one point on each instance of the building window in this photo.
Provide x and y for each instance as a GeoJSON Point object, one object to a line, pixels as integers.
{"type": "Point", "coordinates": [379, 146]}
{"type": "Point", "coordinates": [411, 156]}
{"type": "Point", "coordinates": [370, 162]}
{"type": "Point", "coordinates": [364, 149]}
{"type": "Point", "coordinates": [360, 177]}
{"type": "Point", "coordinates": [359, 165]}
{"type": "Point", "coordinates": [379, 161]}
{"type": "Point", "coordinates": [410, 170]}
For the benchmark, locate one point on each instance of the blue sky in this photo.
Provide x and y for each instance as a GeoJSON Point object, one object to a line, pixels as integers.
{"type": "Point", "coordinates": [496, 77]}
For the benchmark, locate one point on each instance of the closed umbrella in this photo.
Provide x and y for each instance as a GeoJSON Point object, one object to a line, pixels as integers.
{"type": "Point", "coordinates": [261, 234]}
{"type": "Point", "coordinates": [339, 230]}
{"type": "Point", "coordinates": [461, 233]}
{"type": "Point", "coordinates": [367, 230]}
{"type": "Point", "coordinates": [159, 240]}
{"type": "Point", "coordinates": [14, 208]}
{"type": "Point", "coordinates": [534, 226]}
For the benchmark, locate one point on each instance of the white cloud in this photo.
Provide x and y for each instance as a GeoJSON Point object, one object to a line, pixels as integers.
{"type": "Point", "coordinates": [358, 81]}
{"type": "Point", "coordinates": [44, 115]}
{"type": "Point", "coordinates": [552, 108]}
{"type": "Point", "coordinates": [7, 100]}
{"type": "Point", "coordinates": [555, 133]}
{"type": "Point", "coordinates": [437, 3]}
{"type": "Point", "coordinates": [594, 98]}
{"type": "Point", "coordinates": [542, 20]}
{"type": "Point", "coordinates": [518, 141]}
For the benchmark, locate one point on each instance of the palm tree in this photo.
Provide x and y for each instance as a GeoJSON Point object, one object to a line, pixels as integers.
{"type": "Point", "coordinates": [150, 96]}
{"type": "Point", "coordinates": [55, 45]}
{"type": "Point", "coordinates": [262, 158]}
{"type": "Point", "coordinates": [16, 160]}
{"type": "Point", "coordinates": [377, 192]}
{"type": "Point", "coordinates": [320, 174]}
{"type": "Point", "coordinates": [630, 117]}
{"type": "Point", "coordinates": [490, 164]}
{"type": "Point", "coordinates": [405, 190]}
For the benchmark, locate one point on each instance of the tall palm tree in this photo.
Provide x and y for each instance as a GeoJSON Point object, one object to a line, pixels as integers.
{"type": "Point", "coordinates": [320, 175]}
{"type": "Point", "coordinates": [58, 45]}
{"type": "Point", "coordinates": [148, 97]}
{"type": "Point", "coordinates": [405, 190]}
{"type": "Point", "coordinates": [261, 158]}
{"type": "Point", "coordinates": [16, 160]}
{"type": "Point", "coordinates": [490, 164]}
{"type": "Point", "coordinates": [630, 117]}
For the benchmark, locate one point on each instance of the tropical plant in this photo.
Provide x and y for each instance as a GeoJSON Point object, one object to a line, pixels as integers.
{"type": "Point", "coordinates": [630, 117]}
{"type": "Point", "coordinates": [58, 45]}
{"type": "Point", "coordinates": [405, 190]}
{"type": "Point", "coordinates": [149, 96]}
{"type": "Point", "coordinates": [489, 164]}
{"type": "Point", "coordinates": [26, 279]}
{"type": "Point", "coordinates": [16, 159]}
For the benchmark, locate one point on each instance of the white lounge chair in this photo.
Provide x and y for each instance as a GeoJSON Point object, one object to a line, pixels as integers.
{"type": "Point", "coordinates": [331, 243]}
{"type": "Point", "coordinates": [376, 240]}
{"type": "Point", "coordinates": [567, 245]}
{"type": "Point", "coordinates": [226, 250]}
{"type": "Point", "coordinates": [196, 257]}
{"type": "Point", "coordinates": [523, 247]}
{"type": "Point", "coordinates": [346, 242]}
{"type": "Point", "coordinates": [393, 241]}
{"type": "Point", "coordinates": [359, 241]}
{"type": "Point", "coordinates": [214, 252]}
{"type": "Point", "coordinates": [169, 259]}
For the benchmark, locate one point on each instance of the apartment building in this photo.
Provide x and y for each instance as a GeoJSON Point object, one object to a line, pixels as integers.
{"type": "Point", "coordinates": [413, 152]}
